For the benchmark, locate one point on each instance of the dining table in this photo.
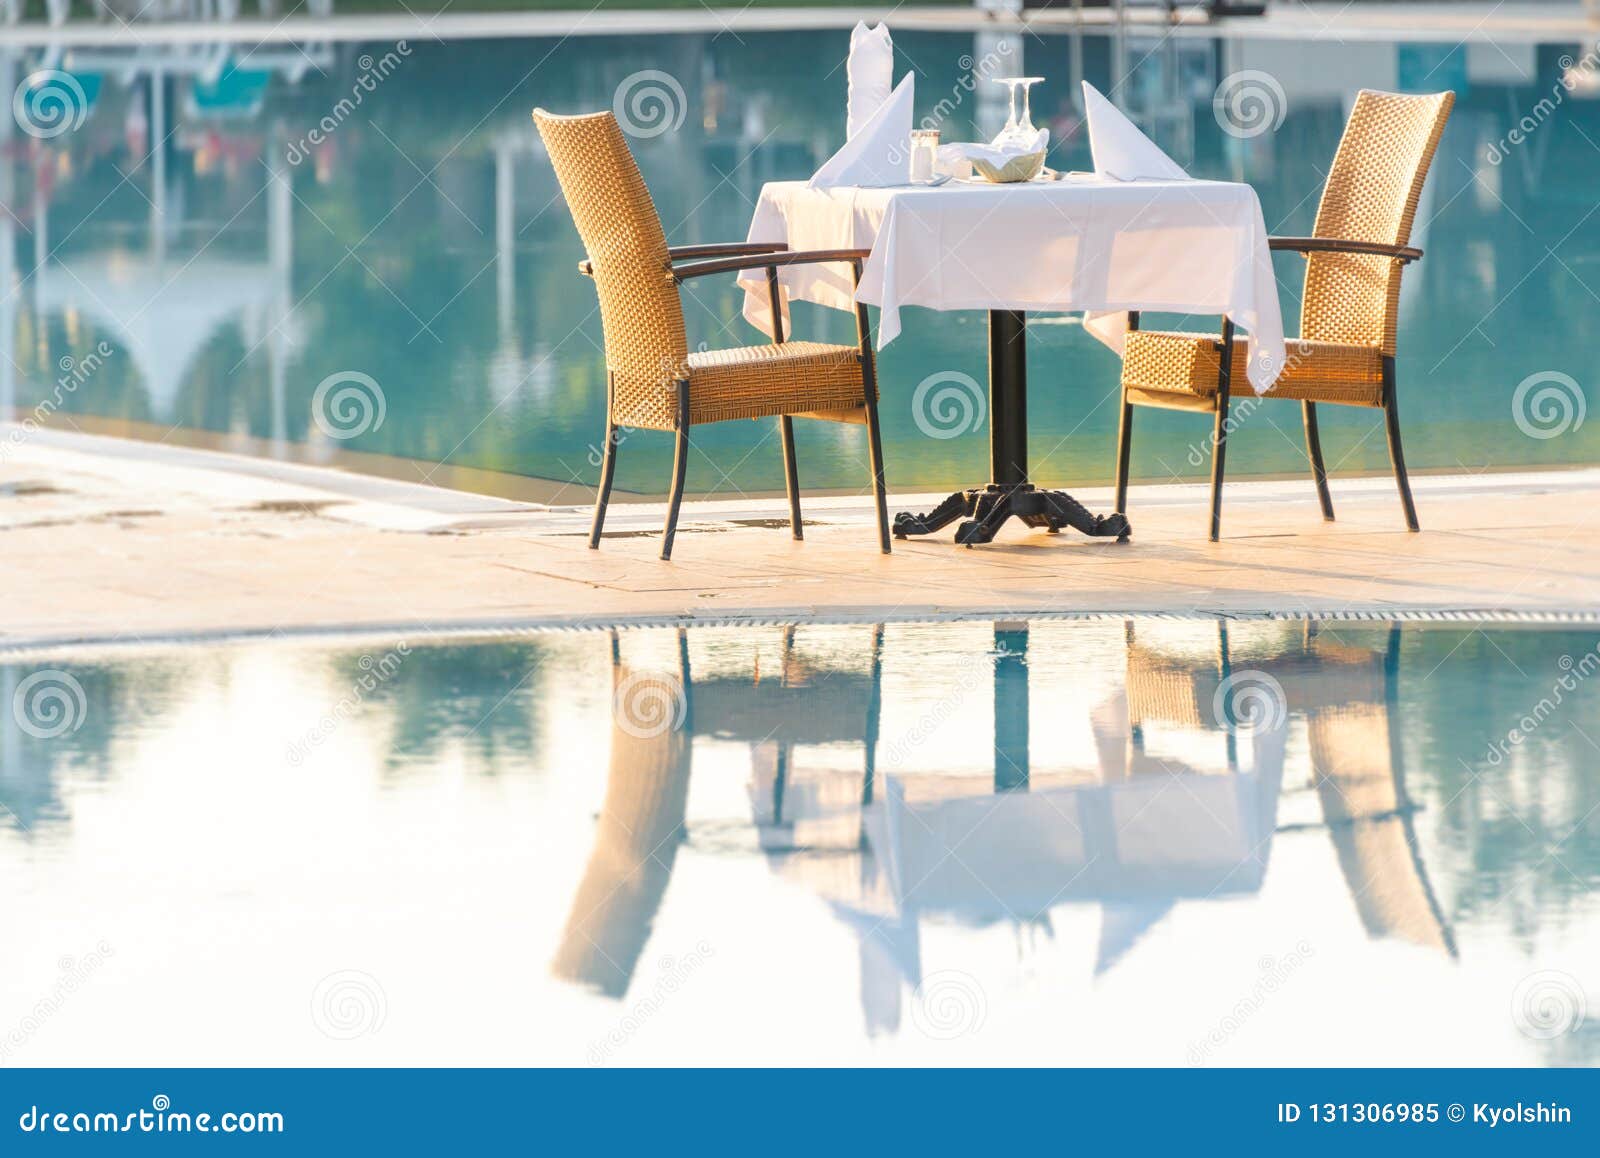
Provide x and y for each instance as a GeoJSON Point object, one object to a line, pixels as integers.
{"type": "Point", "coordinates": [1065, 243]}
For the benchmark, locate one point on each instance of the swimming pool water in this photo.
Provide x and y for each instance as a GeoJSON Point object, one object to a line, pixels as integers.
{"type": "Point", "coordinates": [1108, 842]}
{"type": "Point", "coordinates": [422, 250]}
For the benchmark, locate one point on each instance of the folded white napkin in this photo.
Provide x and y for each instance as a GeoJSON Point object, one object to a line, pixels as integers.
{"type": "Point", "coordinates": [1120, 150]}
{"type": "Point", "coordinates": [953, 156]}
{"type": "Point", "coordinates": [871, 72]}
{"type": "Point", "coordinates": [880, 153]}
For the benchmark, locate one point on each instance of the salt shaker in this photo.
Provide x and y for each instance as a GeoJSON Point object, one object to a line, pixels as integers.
{"type": "Point", "coordinates": [924, 151]}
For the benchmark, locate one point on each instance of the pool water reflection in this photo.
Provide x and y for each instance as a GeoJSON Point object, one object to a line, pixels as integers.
{"type": "Point", "coordinates": [1063, 842]}
{"type": "Point", "coordinates": [232, 267]}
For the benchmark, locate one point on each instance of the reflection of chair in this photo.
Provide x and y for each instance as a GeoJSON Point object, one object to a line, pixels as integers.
{"type": "Point", "coordinates": [1168, 689]}
{"type": "Point", "coordinates": [653, 381]}
{"type": "Point", "coordinates": [1175, 691]}
{"type": "Point", "coordinates": [638, 831]}
{"type": "Point", "coordinates": [655, 717]}
{"type": "Point", "coordinates": [1357, 759]}
{"type": "Point", "coordinates": [797, 808]}
{"type": "Point", "coordinates": [1346, 349]}
{"type": "Point", "coordinates": [1347, 695]}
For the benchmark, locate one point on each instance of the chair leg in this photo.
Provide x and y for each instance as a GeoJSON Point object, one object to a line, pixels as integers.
{"type": "Point", "coordinates": [1219, 457]}
{"type": "Point", "coordinates": [1219, 439]}
{"type": "Point", "coordinates": [791, 474]}
{"type": "Point", "coordinates": [1319, 472]}
{"type": "Point", "coordinates": [1124, 450]}
{"type": "Point", "coordinates": [680, 469]}
{"type": "Point", "coordinates": [608, 470]}
{"type": "Point", "coordinates": [880, 490]}
{"type": "Point", "coordinates": [869, 382]}
{"type": "Point", "coordinates": [1397, 454]}
{"type": "Point", "coordinates": [1125, 436]}
{"type": "Point", "coordinates": [604, 496]}
{"type": "Point", "coordinates": [1225, 670]}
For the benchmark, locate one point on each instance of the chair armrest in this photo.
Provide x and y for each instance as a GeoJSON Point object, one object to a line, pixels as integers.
{"type": "Point", "coordinates": [768, 261]}
{"type": "Point", "coordinates": [685, 252]}
{"type": "Point", "coordinates": [1402, 253]}
{"type": "Point", "coordinates": [727, 249]}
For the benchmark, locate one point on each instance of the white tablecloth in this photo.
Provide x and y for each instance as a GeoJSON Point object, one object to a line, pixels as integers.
{"type": "Point", "coordinates": [1102, 246]}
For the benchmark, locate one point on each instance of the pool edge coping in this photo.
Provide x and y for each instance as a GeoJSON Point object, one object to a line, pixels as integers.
{"type": "Point", "coordinates": [493, 629]}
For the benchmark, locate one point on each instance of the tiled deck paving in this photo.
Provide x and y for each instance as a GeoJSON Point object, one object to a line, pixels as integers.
{"type": "Point", "coordinates": [116, 541]}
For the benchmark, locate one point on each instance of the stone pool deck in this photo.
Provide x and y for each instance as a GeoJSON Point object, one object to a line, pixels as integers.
{"type": "Point", "coordinates": [110, 541]}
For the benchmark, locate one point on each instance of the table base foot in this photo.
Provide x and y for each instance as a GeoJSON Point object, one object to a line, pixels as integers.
{"type": "Point", "coordinates": [960, 505]}
{"type": "Point", "coordinates": [984, 511]}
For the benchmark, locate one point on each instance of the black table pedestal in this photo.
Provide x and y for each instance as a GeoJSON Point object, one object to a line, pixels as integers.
{"type": "Point", "coordinates": [984, 510]}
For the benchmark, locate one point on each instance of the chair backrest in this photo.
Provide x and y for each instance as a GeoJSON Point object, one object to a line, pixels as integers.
{"type": "Point", "coordinates": [640, 312]}
{"type": "Point", "coordinates": [1371, 195]}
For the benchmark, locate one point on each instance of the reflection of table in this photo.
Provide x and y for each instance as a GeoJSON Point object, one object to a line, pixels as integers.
{"type": "Point", "coordinates": [1197, 247]}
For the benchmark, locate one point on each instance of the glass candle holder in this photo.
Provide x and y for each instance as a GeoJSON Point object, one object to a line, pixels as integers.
{"type": "Point", "coordinates": [924, 152]}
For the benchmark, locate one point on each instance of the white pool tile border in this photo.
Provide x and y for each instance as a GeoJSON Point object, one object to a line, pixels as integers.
{"type": "Point", "coordinates": [85, 648]}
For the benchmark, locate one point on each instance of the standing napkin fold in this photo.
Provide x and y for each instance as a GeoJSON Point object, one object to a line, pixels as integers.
{"type": "Point", "coordinates": [871, 72]}
{"type": "Point", "coordinates": [1120, 150]}
{"type": "Point", "coordinates": [880, 153]}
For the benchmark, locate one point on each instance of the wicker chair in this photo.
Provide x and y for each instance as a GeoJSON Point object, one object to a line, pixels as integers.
{"type": "Point", "coordinates": [1349, 313]}
{"type": "Point", "coordinates": [653, 380]}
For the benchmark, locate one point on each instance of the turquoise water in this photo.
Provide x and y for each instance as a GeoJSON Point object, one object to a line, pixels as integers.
{"type": "Point", "coordinates": [1145, 842]}
{"type": "Point", "coordinates": [231, 264]}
